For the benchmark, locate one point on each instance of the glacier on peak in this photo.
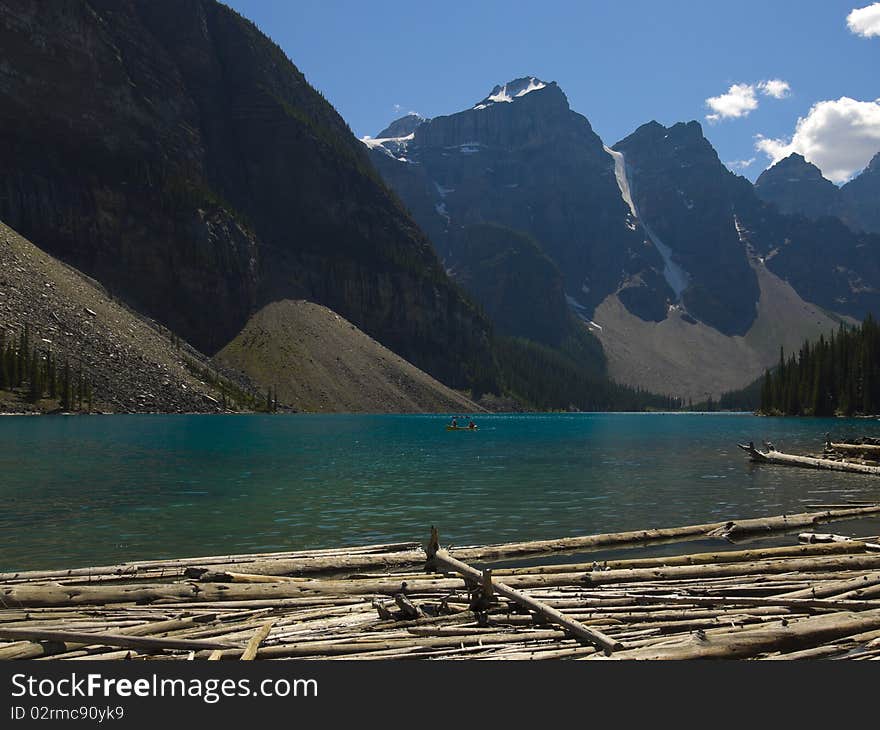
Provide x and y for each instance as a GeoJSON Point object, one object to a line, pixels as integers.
{"type": "Point", "coordinates": [511, 90]}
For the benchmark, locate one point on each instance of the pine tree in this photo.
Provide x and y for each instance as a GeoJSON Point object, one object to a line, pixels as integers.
{"type": "Point", "coordinates": [66, 389]}
{"type": "Point", "coordinates": [35, 390]}
{"type": "Point", "coordinates": [837, 375]}
{"type": "Point", "coordinates": [51, 376]}
{"type": "Point", "coordinates": [4, 365]}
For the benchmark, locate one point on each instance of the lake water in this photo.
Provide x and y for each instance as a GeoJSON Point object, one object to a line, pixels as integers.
{"type": "Point", "coordinates": [97, 490]}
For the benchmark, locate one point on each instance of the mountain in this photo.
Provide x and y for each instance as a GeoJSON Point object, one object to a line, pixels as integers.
{"type": "Point", "coordinates": [174, 153]}
{"type": "Point", "coordinates": [514, 281]}
{"type": "Point", "coordinates": [522, 159]}
{"type": "Point", "coordinates": [688, 278]}
{"type": "Point", "coordinates": [403, 127]}
{"type": "Point", "coordinates": [128, 363]}
{"type": "Point", "coordinates": [685, 199]}
{"type": "Point", "coordinates": [797, 186]}
{"type": "Point", "coordinates": [861, 199]}
{"type": "Point", "coordinates": [760, 277]}
{"type": "Point", "coordinates": [317, 361]}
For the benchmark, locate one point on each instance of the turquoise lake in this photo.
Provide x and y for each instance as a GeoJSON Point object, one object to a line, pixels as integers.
{"type": "Point", "coordinates": [97, 490]}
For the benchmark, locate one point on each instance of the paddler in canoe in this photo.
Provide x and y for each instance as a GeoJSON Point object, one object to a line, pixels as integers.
{"type": "Point", "coordinates": [453, 426]}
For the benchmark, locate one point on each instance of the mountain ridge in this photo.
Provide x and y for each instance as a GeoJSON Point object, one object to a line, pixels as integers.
{"type": "Point", "coordinates": [174, 153]}
{"type": "Point", "coordinates": [702, 248]}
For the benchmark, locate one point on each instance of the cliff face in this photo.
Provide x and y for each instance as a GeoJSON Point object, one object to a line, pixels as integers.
{"type": "Point", "coordinates": [861, 199]}
{"type": "Point", "coordinates": [173, 152]}
{"type": "Point", "coordinates": [797, 186]}
{"type": "Point", "coordinates": [687, 199]}
{"type": "Point", "coordinates": [515, 282]}
{"type": "Point", "coordinates": [523, 159]}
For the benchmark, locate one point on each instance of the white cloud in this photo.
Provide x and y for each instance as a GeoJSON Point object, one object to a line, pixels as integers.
{"type": "Point", "coordinates": [397, 108]}
{"type": "Point", "coordinates": [740, 100]}
{"type": "Point", "coordinates": [740, 164]}
{"type": "Point", "coordinates": [838, 136]}
{"type": "Point", "coordinates": [865, 21]}
{"type": "Point", "coordinates": [777, 88]}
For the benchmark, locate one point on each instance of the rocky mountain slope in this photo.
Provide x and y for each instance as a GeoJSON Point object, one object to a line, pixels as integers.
{"type": "Point", "coordinates": [685, 200]}
{"type": "Point", "coordinates": [797, 186]}
{"type": "Point", "coordinates": [174, 153]}
{"type": "Point", "coordinates": [520, 158]}
{"type": "Point", "coordinates": [131, 364]}
{"type": "Point", "coordinates": [687, 357]}
{"type": "Point", "coordinates": [681, 270]}
{"type": "Point", "coordinates": [861, 199]}
{"type": "Point", "coordinates": [319, 362]}
{"type": "Point", "coordinates": [515, 282]}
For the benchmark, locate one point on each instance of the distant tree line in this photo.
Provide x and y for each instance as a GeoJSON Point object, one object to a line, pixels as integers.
{"type": "Point", "coordinates": [838, 375]}
{"type": "Point", "coordinates": [547, 379]}
{"type": "Point", "coordinates": [36, 373]}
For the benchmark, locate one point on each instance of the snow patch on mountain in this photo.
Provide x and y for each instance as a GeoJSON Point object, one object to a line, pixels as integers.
{"type": "Point", "coordinates": [677, 278]}
{"type": "Point", "coordinates": [511, 90]}
{"type": "Point", "coordinates": [441, 191]}
{"type": "Point", "coordinates": [394, 147]}
{"type": "Point", "coordinates": [622, 180]}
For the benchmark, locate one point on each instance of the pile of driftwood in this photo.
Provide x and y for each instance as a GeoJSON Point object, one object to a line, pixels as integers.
{"type": "Point", "coordinates": [819, 597]}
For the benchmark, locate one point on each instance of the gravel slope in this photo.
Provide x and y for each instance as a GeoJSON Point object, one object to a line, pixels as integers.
{"type": "Point", "coordinates": [133, 364]}
{"type": "Point", "coordinates": [694, 360]}
{"type": "Point", "coordinates": [320, 362]}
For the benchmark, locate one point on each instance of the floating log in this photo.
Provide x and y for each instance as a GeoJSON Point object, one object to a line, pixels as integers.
{"type": "Point", "coordinates": [30, 650]}
{"type": "Point", "coordinates": [771, 456]}
{"type": "Point", "coordinates": [136, 642]}
{"type": "Point", "coordinates": [725, 556]}
{"type": "Point", "coordinates": [827, 537]}
{"type": "Point", "coordinates": [871, 451]}
{"type": "Point", "coordinates": [801, 634]}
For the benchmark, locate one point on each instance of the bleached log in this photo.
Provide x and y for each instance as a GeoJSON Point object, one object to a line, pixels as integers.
{"type": "Point", "coordinates": [778, 457]}
{"type": "Point", "coordinates": [801, 634]}
{"type": "Point", "coordinates": [830, 538]}
{"type": "Point", "coordinates": [80, 637]}
{"type": "Point", "coordinates": [250, 651]}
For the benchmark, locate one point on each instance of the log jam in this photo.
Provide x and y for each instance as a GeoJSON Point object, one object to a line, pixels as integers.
{"type": "Point", "coordinates": [819, 595]}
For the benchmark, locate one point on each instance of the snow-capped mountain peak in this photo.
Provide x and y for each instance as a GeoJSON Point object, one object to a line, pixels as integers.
{"type": "Point", "coordinates": [512, 90]}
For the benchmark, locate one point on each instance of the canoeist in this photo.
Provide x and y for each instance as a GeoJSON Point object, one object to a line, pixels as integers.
{"type": "Point", "coordinates": [471, 423]}
{"type": "Point", "coordinates": [454, 423]}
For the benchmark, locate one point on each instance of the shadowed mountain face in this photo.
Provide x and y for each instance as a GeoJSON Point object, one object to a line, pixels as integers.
{"type": "Point", "coordinates": [797, 186]}
{"type": "Point", "coordinates": [861, 199]}
{"type": "Point", "coordinates": [173, 152]}
{"type": "Point", "coordinates": [523, 159]}
{"type": "Point", "coordinates": [686, 198]}
{"type": "Point", "coordinates": [655, 228]}
{"type": "Point", "coordinates": [519, 287]}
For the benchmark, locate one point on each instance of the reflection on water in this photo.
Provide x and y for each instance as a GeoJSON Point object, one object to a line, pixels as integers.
{"type": "Point", "coordinates": [104, 489]}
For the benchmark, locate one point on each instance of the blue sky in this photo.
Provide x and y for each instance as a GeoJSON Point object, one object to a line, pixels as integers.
{"type": "Point", "coordinates": [620, 64]}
